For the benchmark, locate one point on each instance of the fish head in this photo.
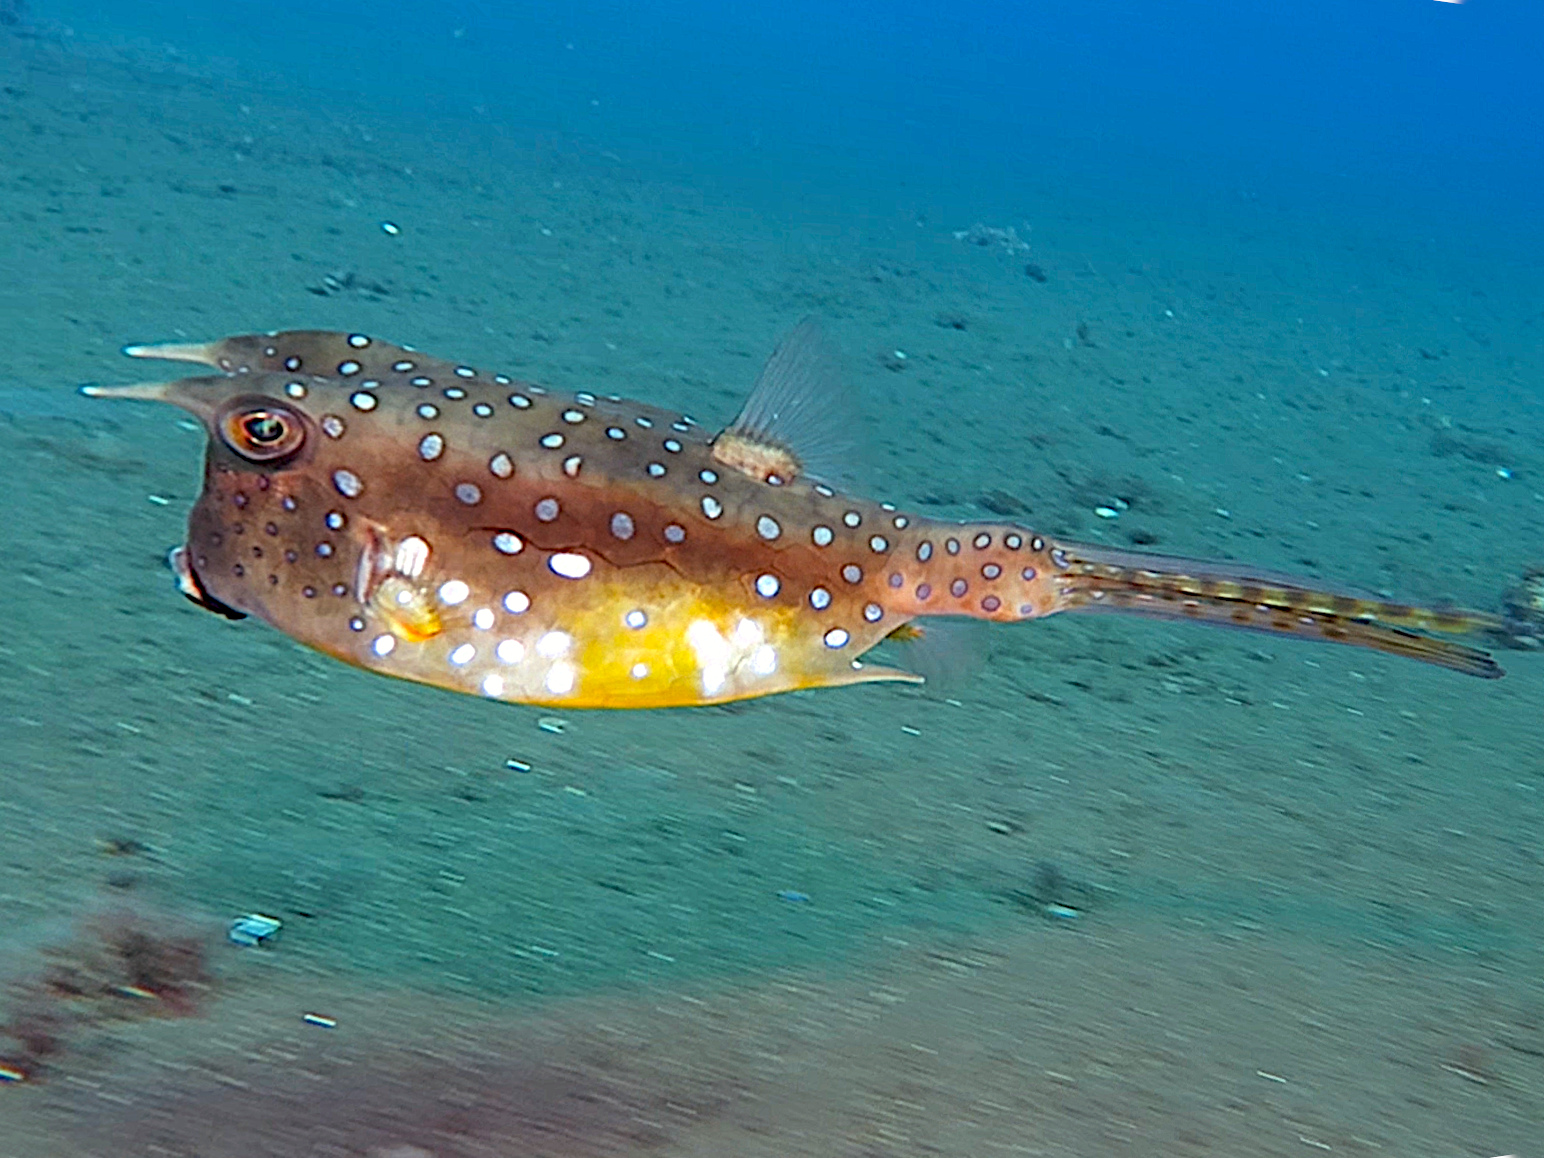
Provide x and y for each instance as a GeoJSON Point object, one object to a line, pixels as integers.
{"type": "Point", "coordinates": [274, 532]}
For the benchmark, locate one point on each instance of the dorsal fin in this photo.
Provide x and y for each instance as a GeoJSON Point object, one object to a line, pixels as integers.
{"type": "Point", "coordinates": [799, 418]}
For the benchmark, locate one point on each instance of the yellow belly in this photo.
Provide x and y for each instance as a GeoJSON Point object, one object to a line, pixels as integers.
{"type": "Point", "coordinates": [610, 645]}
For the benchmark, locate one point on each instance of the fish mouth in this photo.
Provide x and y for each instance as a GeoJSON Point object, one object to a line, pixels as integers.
{"type": "Point", "coordinates": [192, 587]}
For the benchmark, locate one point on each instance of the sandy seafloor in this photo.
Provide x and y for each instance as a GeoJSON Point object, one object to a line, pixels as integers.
{"type": "Point", "coordinates": [1309, 879]}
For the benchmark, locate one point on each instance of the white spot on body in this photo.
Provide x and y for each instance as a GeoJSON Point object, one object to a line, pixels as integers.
{"type": "Point", "coordinates": [454, 592]}
{"type": "Point", "coordinates": [569, 565]}
{"type": "Point", "coordinates": [639, 671]}
{"type": "Point", "coordinates": [767, 586]}
{"type": "Point", "coordinates": [713, 654]}
{"type": "Point", "coordinates": [622, 526]}
{"type": "Point", "coordinates": [836, 637]}
{"type": "Point", "coordinates": [560, 679]}
{"type": "Point", "coordinates": [383, 645]}
{"type": "Point", "coordinates": [820, 599]}
{"type": "Point", "coordinates": [547, 509]}
{"type": "Point", "coordinates": [493, 685]}
{"type": "Point", "coordinates": [482, 619]}
{"type": "Point", "coordinates": [501, 465]}
{"type": "Point", "coordinates": [554, 644]}
{"type": "Point", "coordinates": [764, 660]}
{"type": "Point", "coordinates": [463, 655]}
{"type": "Point", "coordinates": [571, 465]}
{"type": "Point", "coordinates": [348, 484]}
{"type": "Point", "coordinates": [510, 651]}
{"type": "Point", "coordinates": [822, 536]}
{"type": "Point", "coordinates": [428, 410]}
{"type": "Point", "coordinates": [552, 441]}
{"type": "Point", "coordinates": [516, 602]}
{"type": "Point", "coordinates": [636, 619]}
{"type": "Point", "coordinates": [712, 507]}
{"type": "Point", "coordinates": [430, 447]}
{"type": "Point", "coordinates": [767, 527]}
{"type": "Point", "coordinates": [656, 470]}
{"type": "Point", "coordinates": [469, 493]}
{"type": "Point", "coordinates": [879, 544]}
{"type": "Point", "coordinates": [852, 518]}
{"type": "Point", "coordinates": [332, 426]}
{"type": "Point", "coordinates": [364, 400]}
{"type": "Point", "coordinates": [508, 543]}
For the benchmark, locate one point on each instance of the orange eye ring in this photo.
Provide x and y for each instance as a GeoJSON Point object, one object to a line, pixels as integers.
{"type": "Point", "coordinates": [262, 431]}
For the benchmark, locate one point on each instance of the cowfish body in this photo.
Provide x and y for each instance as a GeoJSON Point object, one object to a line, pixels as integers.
{"type": "Point", "coordinates": [459, 528]}
{"type": "Point", "coordinates": [438, 523]}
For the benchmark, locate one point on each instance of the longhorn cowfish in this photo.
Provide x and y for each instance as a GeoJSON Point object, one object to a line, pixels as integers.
{"type": "Point", "coordinates": [435, 522]}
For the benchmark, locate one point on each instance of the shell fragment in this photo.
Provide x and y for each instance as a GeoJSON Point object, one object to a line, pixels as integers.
{"type": "Point", "coordinates": [253, 929]}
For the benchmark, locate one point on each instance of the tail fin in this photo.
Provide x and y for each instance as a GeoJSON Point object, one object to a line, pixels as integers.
{"type": "Point", "coordinates": [1166, 587]}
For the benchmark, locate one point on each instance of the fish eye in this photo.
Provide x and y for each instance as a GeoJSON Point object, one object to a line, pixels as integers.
{"type": "Point", "coordinates": [263, 428]}
{"type": "Point", "coordinates": [263, 432]}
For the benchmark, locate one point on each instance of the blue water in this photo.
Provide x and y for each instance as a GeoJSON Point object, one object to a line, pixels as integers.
{"type": "Point", "coordinates": [1401, 103]}
{"type": "Point", "coordinates": [1137, 890]}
